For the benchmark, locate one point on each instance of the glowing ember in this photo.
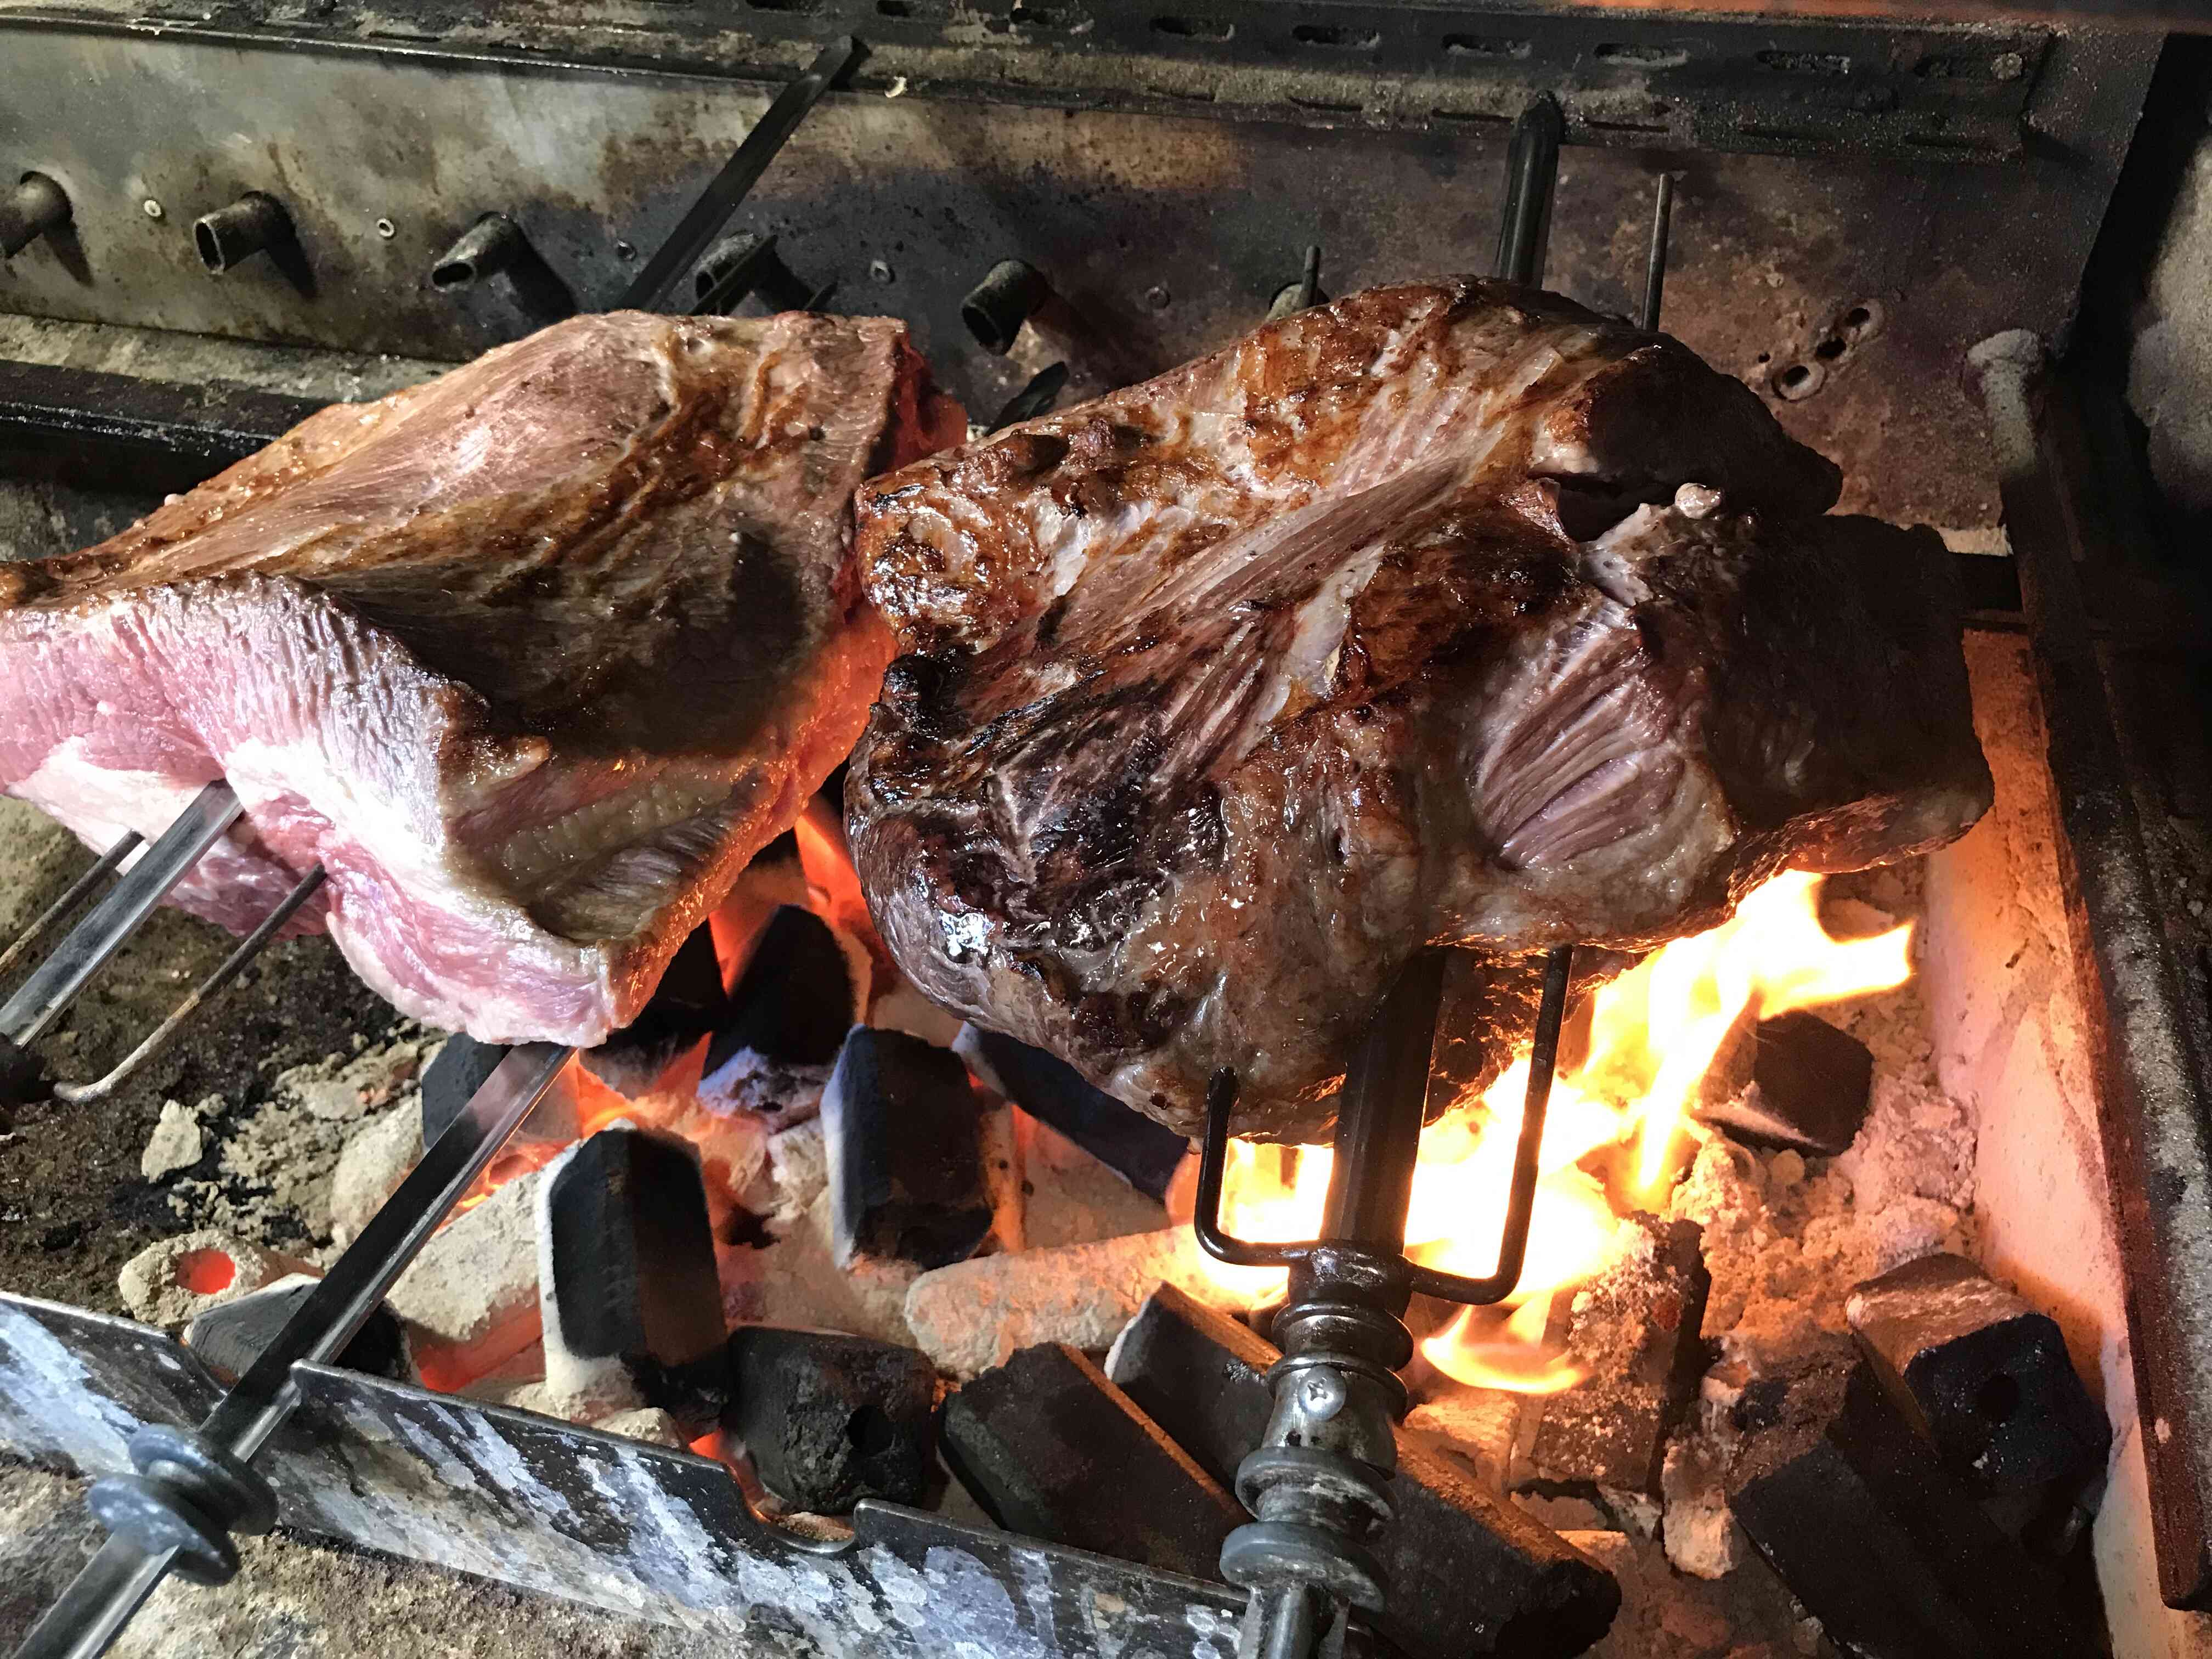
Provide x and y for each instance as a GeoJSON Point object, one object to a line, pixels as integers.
{"type": "Point", "coordinates": [1655, 1033]}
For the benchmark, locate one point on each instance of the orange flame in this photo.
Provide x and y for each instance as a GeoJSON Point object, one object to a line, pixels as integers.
{"type": "Point", "coordinates": [1655, 1031]}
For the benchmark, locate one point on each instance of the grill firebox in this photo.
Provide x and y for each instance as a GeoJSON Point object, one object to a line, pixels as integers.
{"type": "Point", "coordinates": [1884, 226]}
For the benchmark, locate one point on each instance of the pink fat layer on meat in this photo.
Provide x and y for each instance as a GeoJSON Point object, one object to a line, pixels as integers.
{"type": "Point", "coordinates": [529, 660]}
{"type": "Point", "coordinates": [147, 689]}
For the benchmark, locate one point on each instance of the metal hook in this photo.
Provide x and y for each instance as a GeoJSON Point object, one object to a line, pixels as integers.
{"type": "Point", "coordinates": [80, 1094]}
{"type": "Point", "coordinates": [1521, 1198]}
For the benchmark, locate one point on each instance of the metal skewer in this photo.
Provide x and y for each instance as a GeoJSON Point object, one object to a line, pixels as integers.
{"type": "Point", "coordinates": [699, 227]}
{"type": "Point", "coordinates": [1655, 266]}
{"type": "Point", "coordinates": [82, 1094]}
{"type": "Point", "coordinates": [196, 1488]}
{"type": "Point", "coordinates": [88, 946]}
{"type": "Point", "coordinates": [1317, 1486]}
{"type": "Point", "coordinates": [79, 890]}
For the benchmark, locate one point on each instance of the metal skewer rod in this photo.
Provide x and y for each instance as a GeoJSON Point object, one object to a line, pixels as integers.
{"type": "Point", "coordinates": [81, 1094]}
{"type": "Point", "coordinates": [66, 905]}
{"type": "Point", "coordinates": [88, 947]}
{"type": "Point", "coordinates": [1654, 265]}
{"type": "Point", "coordinates": [1036, 397]}
{"type": "Point", "coordinates": [1532, 172]}
{"type": "Point", "coordinates": [698, 228]}
{"type": "Point", "coordinates": [194, 1489]}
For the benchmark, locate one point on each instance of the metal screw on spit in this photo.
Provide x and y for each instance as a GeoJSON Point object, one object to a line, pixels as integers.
{"type": "Point", "coordinates": [386, 229]}
{"type": "Point", "coordinates": [153, 209]}
{"type": "Point", "coordinates": [1323, 1395]}
{"type": "Point", "coordinates": [878, 270]}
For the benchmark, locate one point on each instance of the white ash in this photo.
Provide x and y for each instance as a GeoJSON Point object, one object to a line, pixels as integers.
{"type": "Point", "coordinates": [152, 1282]}
{"type": "Point", "coordinates": [374, 1163]}
{"type": "Point", "coordinates": [1787, 1238]}
{"type": "Point", "coordinates": [649, 1424]}
{"type": "Point", "coordinates": [1071, 1198]}
{"type": "Point", "coordinates": [1476, 1428]}
{"type": "Point", "coordinates": [798, 1173]}
{"type": "Point", "coordinates": [178, 1141]}
{"type": "Point", "coordinates": [1702, 1538]}
{"type": "Point", "coordinates": [277, 1156]}
{"type": "Point", "coordinates": [778, 1094]}
{"type": "Point", "coordinates": [975, 1314]}
{"type": "Point", "coordinates": [795, 1281]}
{"type": "Point", "coordinates": [470, 1300]}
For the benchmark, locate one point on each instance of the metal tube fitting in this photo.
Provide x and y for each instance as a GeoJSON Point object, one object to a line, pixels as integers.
{"type": "Point", "coordinates": [255, 223]}
{"type": "Point", "coordinates": [742, 265]}
{"type": "Point", "coordinates": [496, 247]}
{"type": "Point", "coordinates": [997, 307]}
{"type": "Point", "coordinates": [493, 245]}
{"type": "Point", "coordinates": [35, 206]}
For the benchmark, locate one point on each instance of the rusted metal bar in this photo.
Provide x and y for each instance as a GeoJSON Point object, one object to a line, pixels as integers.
{"type": "Point", "coordinates": [2157, 1142]}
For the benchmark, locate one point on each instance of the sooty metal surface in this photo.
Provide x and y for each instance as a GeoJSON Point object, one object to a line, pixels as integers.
{"type": "Point", "coordinates": [1845, 286]}
{"type": "Point", "coordinates": [545, 1506]}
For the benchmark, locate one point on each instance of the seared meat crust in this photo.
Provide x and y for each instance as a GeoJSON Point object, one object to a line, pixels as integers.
{"type": "Point", "coordinates": [1448, 613]}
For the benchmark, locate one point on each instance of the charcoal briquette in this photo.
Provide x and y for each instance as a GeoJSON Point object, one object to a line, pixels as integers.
{"type": "Point", "coordinates": [1854, 1510]}
{"type": "Point", "coordinates": [629, 1252]}
{"type": "Point", "coordinates": [689, 1002]}
{"type": "Point", "coordinates": [794, 1002]}
{"type": "Point", "coordinates": [908, 1152]}
{"type": "Point", "coordinates": [1051, 1448]}
{"type": "Point", "coordinates": [230, 1336]}
{"type": "Point", "coordinates": [1982, 1375]}
{"type": "Point", "coordinates": [829, 1419]}
{"type": "Point", "coordinates": [1810, 1087]}
{"type": "Point", "coordinates": [1144, 1153]}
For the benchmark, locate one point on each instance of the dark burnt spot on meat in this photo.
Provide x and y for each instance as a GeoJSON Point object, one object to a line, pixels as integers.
{"type": "Point", "coordinates": [1113, 1023]}
{"type": "Point", "coordinates": [1048, 627]}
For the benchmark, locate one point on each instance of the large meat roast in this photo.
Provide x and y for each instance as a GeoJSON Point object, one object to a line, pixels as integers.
{"type": "Point", "coordinates": [1449, 613]}
{"type": "Point", "coordinates": [531, 657]}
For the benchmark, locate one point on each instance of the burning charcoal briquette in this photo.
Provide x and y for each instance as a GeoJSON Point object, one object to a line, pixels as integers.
{"type": "Point", "coordinates": [794, 1002]}
{"type": "Point", "coordinates": [688, 1003]}
{"type": "Point", "coordinates": [1981, 1373]}
{"type": "Point", "coordinates": [1469, 1574]}
{"type": "Point", "coordinates": [1144, 1153]}
{"type": "Point", "coordinates": [1050, 1447]}
{"type": "Point", "coordinates": [229, 1338]}
{"type": "Point", "coordinates": [1810, 1086]}
{"type": "Point", "coordinates": [632, 1305]}
{"type": "Point", "coordinates": [1870, 1531]}
{"type": "Point", "coordinates": [451, 1080]}
{"type": "Point", "coordinates": [1634, 1331]}
{"type": "Point", "coordinates": [908, 1152]}
{"type": "Point", "coordinates": [830, 1419]}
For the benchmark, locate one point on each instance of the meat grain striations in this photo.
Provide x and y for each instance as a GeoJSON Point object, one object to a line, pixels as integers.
{"type": "Point", "coordinates": [1447, 613]}
{"type": "Point", "coordinates": [531, 657]}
